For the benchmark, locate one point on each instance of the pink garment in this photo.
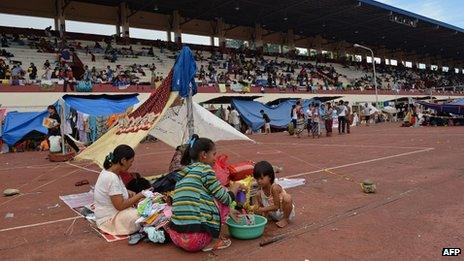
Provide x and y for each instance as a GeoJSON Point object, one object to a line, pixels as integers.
{"type": "Point", "coordinates": [2, 114]}
{"type": "Point", "coordinates": [191, 242]}
{"type": "Point", "coordinates": [80, 124]}
{"type": "Point", "coordinates": [167, 211]}
{"type": "Point", "coordinates": [224, 211]}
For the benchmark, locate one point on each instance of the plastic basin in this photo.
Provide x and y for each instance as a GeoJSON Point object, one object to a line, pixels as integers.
{"type": "Point", "coordinates": [243, 231]}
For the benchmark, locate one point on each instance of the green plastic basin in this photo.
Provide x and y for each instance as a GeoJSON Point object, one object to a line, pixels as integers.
{"type": "Point", "coordinates": [243, 231]}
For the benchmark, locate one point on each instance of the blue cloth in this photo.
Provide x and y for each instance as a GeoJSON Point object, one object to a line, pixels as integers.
{"type": "Point", "coordinates": [280, 115]}
{"type": "Point", "coordinates": [185, 69]}
{"type": "Point", "coordinates": [100, 105]}
{"type": "Point", "coordinates": [18, 124]}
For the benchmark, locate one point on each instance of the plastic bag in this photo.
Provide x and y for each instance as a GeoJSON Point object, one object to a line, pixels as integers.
{"type": "Point", "coordinates": [241, 170]}
{"type": "Point", "coordinates": [221, 169]}
{"type": "Point", "coordinates": [247, 183]}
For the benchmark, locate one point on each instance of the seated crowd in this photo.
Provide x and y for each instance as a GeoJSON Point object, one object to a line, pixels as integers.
{"type": "Point", "coordinates": [286, 72]}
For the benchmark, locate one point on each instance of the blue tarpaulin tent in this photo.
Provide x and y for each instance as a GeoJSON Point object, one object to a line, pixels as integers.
{"type": "Point", "coordinates": [280, 115]}
{"type": "Point", "coordinates": [458, 102]}
{"type": "Point", "coordinates": [100, 105]}
{"type": "Point", "coordinates": [18, 124]}
{"type": "Point", "coordinates": [454, 107]}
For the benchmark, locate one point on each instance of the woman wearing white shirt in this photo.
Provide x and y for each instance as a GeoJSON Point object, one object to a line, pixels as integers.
{"type": "Point", "coordinates": [309, 118]}
{"type": "Point", "coordinates": [234, 118]}
{"type": "Point", "coordinates": [114, 209]}
{"type": "Point", "coordinates": [342, 111]}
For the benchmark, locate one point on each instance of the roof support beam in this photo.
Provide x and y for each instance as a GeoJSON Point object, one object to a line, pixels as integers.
{"type": "Point", "coordinates": [143, 7]}
{"type": "Point", "coordinates": [213, 7]}
{"type": "Point", "coordinates": [279, 9]}
{"type": "Point", "coordinates": [231, 28]}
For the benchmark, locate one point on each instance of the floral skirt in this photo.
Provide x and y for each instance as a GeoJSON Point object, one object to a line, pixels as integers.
{"type": "Point", "coordinates": [191, 242]}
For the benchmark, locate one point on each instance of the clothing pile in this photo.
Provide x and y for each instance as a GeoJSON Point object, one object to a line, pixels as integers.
{"type": "Point", "coordinates": [154, 215]}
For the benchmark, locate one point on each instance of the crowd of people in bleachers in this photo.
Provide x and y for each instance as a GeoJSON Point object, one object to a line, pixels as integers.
{"type": "Point", "coordinates": [299, 73]}
{"type": "Point", "coordinates": [286, 72]}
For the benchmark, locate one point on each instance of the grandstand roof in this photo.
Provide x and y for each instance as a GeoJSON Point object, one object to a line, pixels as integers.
{"type": "Point", "coordinates": [356, 21]}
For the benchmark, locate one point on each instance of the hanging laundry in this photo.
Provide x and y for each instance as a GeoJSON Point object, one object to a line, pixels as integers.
{"type": "Point", "coordinates": [102, 128]}
{"type": "Point", "coordinates": [81, 125]}
{"type": "Point", "coordinates": [92, 129]}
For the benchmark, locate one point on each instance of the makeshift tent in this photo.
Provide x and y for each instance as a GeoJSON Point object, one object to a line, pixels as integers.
{"type": "Point", "coordinates": [172, 129]}
{"type": "Point", "coordinates": [19, 124]}
{"type": "Point", "coordinates": [458, 102]}
{"type": "Point", "coordinates": [280, 115]}
{"type": "Point", "coordinates": [101, 105]}
{"type": "Point", "coordinates": [130, 131]}
{"type": "Point", "coordinates": [455, 107]}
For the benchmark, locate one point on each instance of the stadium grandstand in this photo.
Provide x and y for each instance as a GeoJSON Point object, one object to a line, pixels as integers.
{"type": "Point", "coordinates": [301, 47]}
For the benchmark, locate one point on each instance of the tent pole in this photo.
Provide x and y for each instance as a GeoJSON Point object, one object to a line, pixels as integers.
{"type": "Point", "coordinates": [190, 123]}
{"type": "Point", "coordinates": [63, 111]}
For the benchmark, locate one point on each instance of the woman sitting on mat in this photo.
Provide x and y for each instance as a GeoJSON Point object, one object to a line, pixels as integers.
{"type": "Point", "coordinates": [196, 218]}
{"type": "Point", "coordinates": [114, 210]}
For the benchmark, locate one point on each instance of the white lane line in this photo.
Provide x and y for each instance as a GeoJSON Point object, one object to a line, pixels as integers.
{"type": "Point", "coordinates": [360, 162]}
{"type": "Point", "coordinates": [40, 224]}
{"type": "Point", "coordinates": [83, 168]}
{"type": "Point", "coordinates": [344, 145]}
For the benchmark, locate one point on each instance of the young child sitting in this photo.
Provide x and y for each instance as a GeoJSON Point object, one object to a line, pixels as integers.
{"type": "Point", "coordinates": [273, 200]}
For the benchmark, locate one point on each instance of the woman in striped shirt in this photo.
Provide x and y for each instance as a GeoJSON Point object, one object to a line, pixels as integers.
{"type": "Point", "coordinates": [196, 218]}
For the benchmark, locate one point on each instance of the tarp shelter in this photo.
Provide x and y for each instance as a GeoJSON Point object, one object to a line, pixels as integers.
{"type": "Point", "coordinates": [101, 105]}
{"type": "Point", "coordinates": [458, 102]}
{"type": "Point", "coordinates": [280, 115]}
{"type": "Point", "coordinates": [19, 124]}
{"type": "Point", "coordinates": [172, 129]}
{"type": "Point", "coordinates": [455, 107]}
